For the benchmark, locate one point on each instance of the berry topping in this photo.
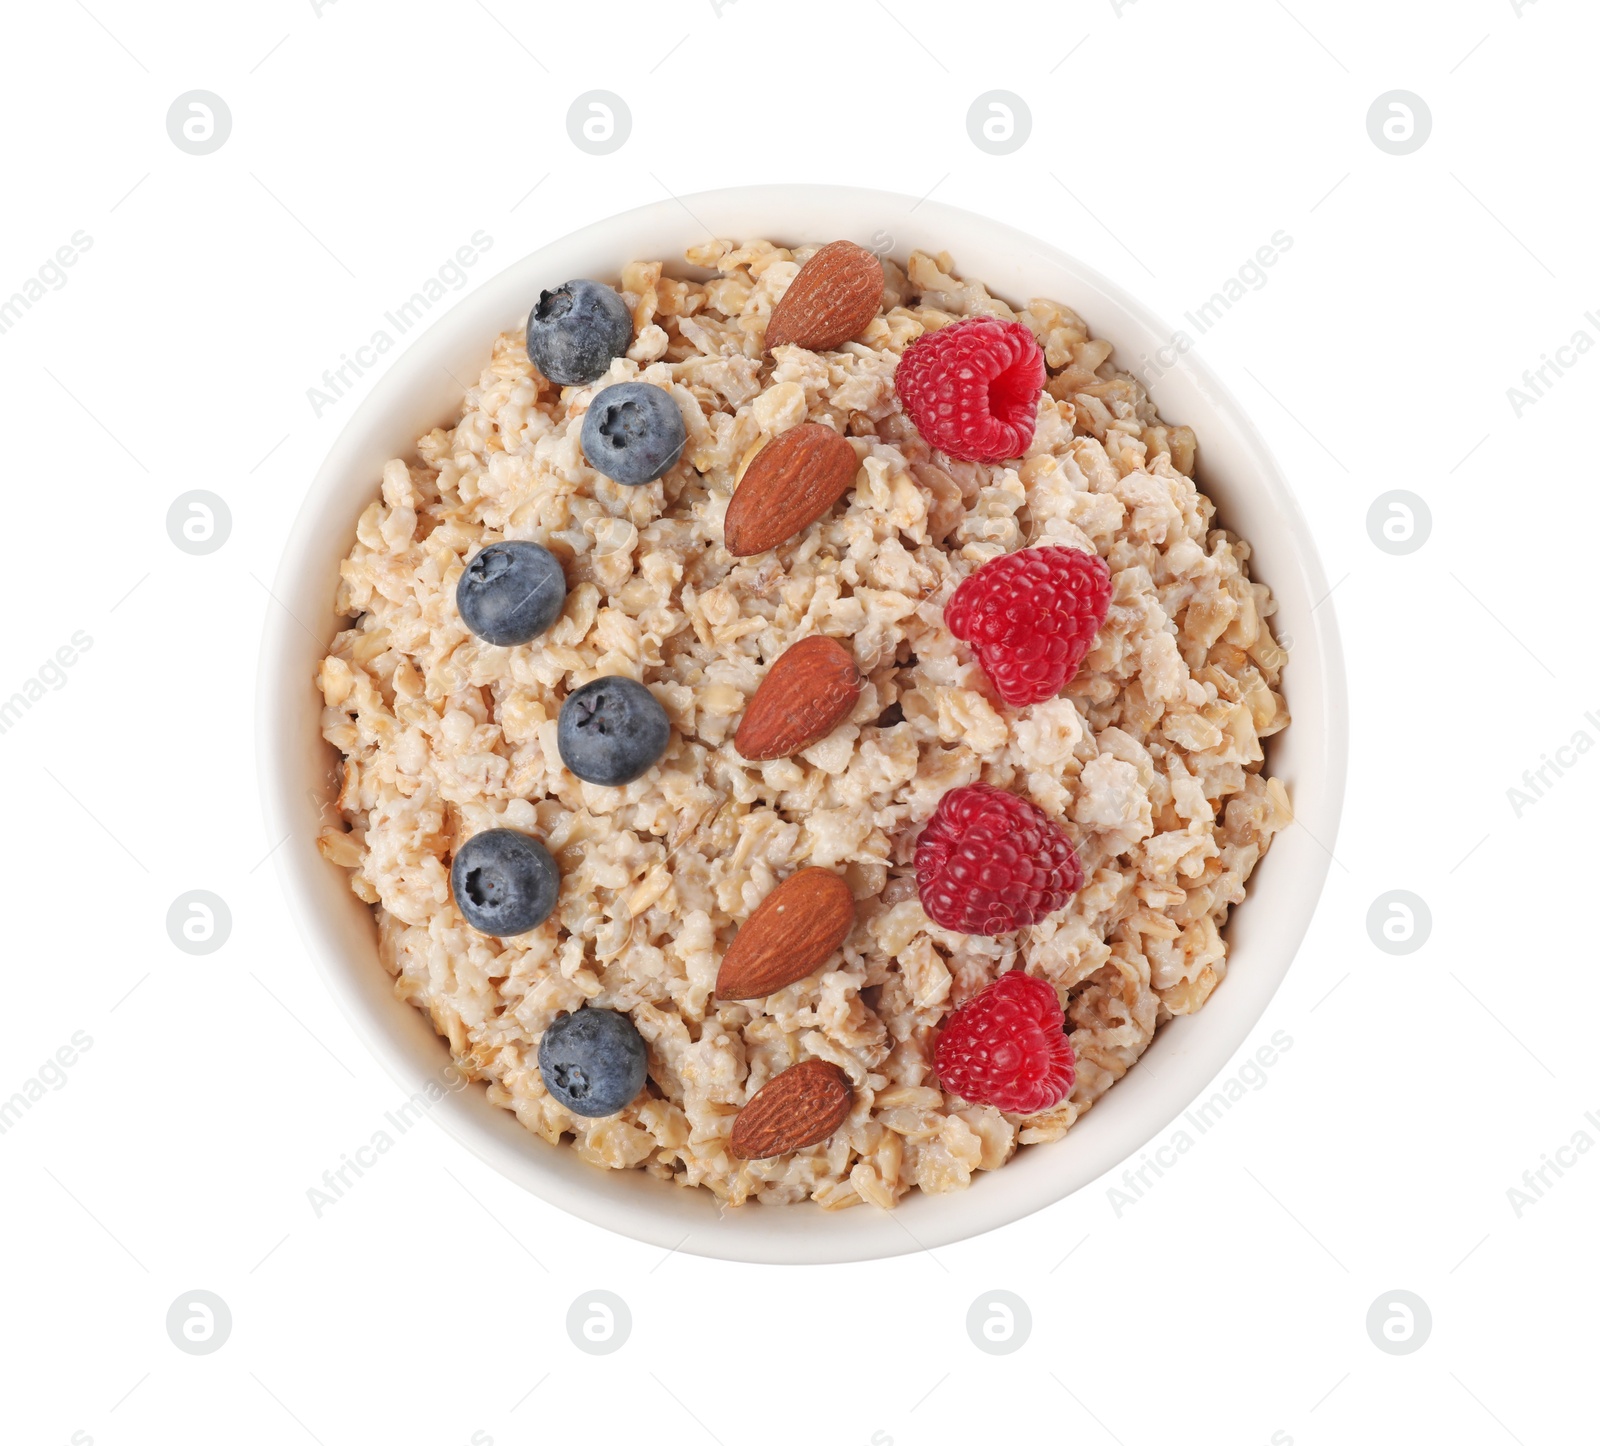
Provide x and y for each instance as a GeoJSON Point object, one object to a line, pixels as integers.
{"type": "Point", "coordinates": [1007, 1047]}
{"type": "Point", "coordinates": [592, 1061]}
{"type": "Point", "coordinates": [633, 432]}
{"type": "Point", "coordinates": [973, 387]}
{"type": "Point", "coordinates": [1031, 617]}
{"type": "Point", "coordinates": [511, 592]}
{"type": "Point", "coordinates": [989, 862]}
{"type": "Point", "coordinates": [575, 331]}
{"type": "Point", "coordinates": [504, 882]}
{"type": "Point", "coordinates": [611, 731]}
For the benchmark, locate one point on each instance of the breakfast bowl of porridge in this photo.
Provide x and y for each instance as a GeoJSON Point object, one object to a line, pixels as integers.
{"type": "Point", "coordinates": [793, 737]}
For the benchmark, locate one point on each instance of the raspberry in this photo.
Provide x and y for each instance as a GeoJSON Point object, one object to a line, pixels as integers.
{"type": "Point", "coordinates": [973, 387]}
{"type": "Point", "coordinates": [1007, 1047]}
{"type": "Point", "coordinates": [1031, 616]}
{"type": "Point", "coordinates": [989, 862]}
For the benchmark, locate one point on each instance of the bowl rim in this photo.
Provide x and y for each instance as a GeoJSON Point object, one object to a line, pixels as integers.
{"type": "Point", "coordinates": [605, 1199]}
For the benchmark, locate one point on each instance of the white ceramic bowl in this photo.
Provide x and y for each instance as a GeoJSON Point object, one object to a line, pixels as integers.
{"type": "Point", "coordinates": [296, 766]}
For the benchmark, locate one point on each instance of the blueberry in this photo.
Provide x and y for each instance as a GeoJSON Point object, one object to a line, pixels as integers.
{"type": "Point", "coordinates": [593, 1061]}
{"type": "Point", "coordinates": [611, 731]}
{"type": "Point", "coordinates": [633, 432]}
{"type": "Point", "coordinates": [575, 331]}
{"type": "Point", "coordinates": [504, 882]}
{"type": "Point", "coordinates": [511, 592]}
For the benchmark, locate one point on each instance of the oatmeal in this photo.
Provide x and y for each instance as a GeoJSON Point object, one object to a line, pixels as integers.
{"type": "Point", "coordinates": [1149, 761]}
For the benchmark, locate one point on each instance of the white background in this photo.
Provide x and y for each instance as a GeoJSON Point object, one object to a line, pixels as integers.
{"type": "Point", "coordinates": [1170, 141]}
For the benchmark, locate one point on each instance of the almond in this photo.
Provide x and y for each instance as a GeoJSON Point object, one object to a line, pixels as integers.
{"type": "Point", "coordinates": [789, 483]}
{"type": "Point", "coordinates": [806, 694]}
{"type": "Point", "coordinates": [802, 1106]}
{"type": "Point", "coordinates": [797, 926]}
{"type": "Point", "coordinates": [832, 298]}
